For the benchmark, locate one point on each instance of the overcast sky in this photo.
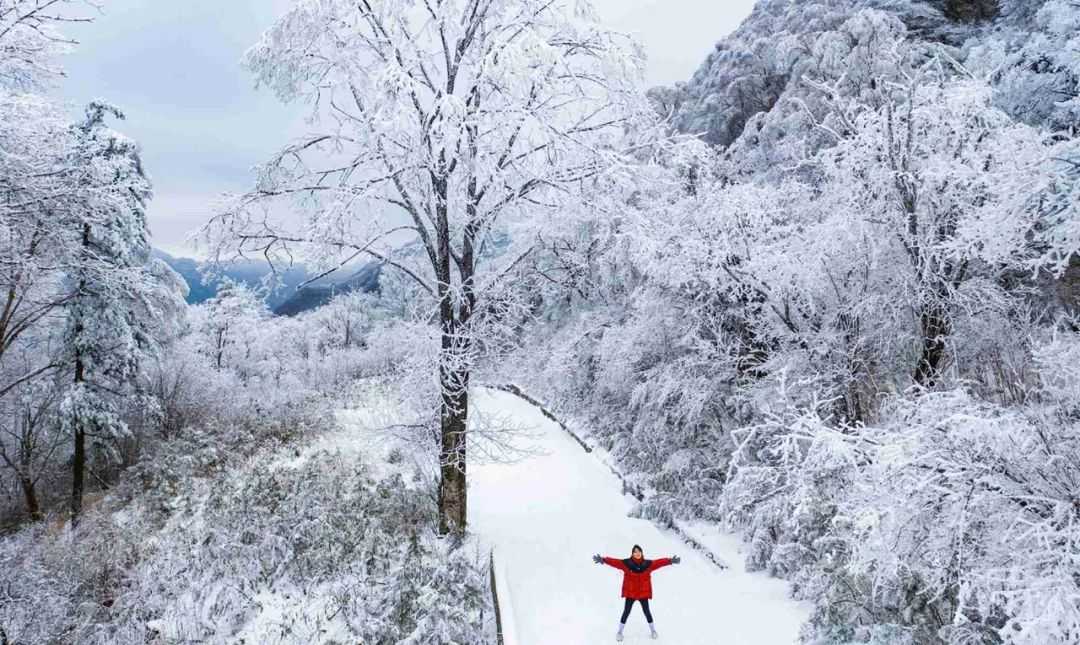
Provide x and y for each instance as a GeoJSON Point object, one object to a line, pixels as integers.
{"type": "Point", "coordinates": [173, 67]}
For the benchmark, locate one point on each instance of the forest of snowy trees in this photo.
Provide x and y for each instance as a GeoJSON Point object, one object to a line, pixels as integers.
{"type": "Point", "coordinates": [824, 295]}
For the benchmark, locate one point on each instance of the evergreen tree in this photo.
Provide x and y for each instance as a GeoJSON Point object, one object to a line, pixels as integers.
{"type": "Point", "coordinates": [112, 292]}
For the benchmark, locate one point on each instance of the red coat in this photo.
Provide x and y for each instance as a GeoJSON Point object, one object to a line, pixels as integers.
{"type": "Point", "coordinates": [637, 577]}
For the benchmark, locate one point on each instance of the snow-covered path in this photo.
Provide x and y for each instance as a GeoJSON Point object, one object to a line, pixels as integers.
{"type": "Point", "coordinates": [548, 514]}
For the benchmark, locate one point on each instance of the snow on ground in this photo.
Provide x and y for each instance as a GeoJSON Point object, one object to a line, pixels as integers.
{"type": "Point", "coordinates": [547, 514]}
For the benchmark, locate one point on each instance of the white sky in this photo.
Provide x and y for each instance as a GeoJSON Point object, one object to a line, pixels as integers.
{"type": "Point", "coordinates": [173, 67]}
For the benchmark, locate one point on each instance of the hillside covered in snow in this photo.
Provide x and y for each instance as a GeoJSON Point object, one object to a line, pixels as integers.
{"type": "Point", "coordinates": [853, 336]}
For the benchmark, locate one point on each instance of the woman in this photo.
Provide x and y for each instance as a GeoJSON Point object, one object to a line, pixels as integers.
{"type": "Point", "coordinates": [637, 583]}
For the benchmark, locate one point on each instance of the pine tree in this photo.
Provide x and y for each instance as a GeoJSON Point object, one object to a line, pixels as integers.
{"type": "Point", "coordinates": [111, 289]}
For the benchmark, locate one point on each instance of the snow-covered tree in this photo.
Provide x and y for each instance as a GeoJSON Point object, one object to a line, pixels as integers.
{"type": "Point", "coordinates": [347, 319]}
{"type": "Point", "coordinates": [64, 192]}
{"type": "Point", "coordinates": [30, 40]}
{"type": "Point", "coordinates": [36, 184]}
{"type": "Point", "coordinates": [228, 323]}
{"type": "Point", "coordinates": [113, 305]}
{"type": "Point", "coordinates": [875, 247]}
{"type": "Point", "coordinates": [29, 439]}
{"type": "Point", "coordinates": [1034, 64]}
{"type": "Point", "coordinates": [34, 187]}
{"type": "Point", "coordinates": [450, 122]}
{"type": "Point", "coordinates": [955, 182]}
{"type": "Point", "coordinates": [1060, 234]}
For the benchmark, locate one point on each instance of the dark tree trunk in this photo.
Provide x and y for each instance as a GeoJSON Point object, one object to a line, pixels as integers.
{"type": "Point", "coordinates": [25, 470]}
{"type": "Point", "coordinates": [453, 377]}
{"type": "Point", "coordinates": [78, 462]}
{"type": "Point", "coordinates": [452, 483]}
{"type": "Point", "coordinates": [972, 10]}
{"type": "Point", "coordinates": [30, 495]}
{"type": "Point", "coordinates": [455, 316]}
{"type": "Point", "coordinates": [219, 356]}
{"type": "Point", "coordinates": [78, 474]}
{"type": "Point", "coordinates": [934, 322]}
{"type": "Point", "coordinates": [932, 276]}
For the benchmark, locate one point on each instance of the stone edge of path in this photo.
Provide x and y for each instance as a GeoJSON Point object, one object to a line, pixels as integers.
{"type": "Point", "coordinates": [628, 487]}
{"type": "Point", "coordinates": [505, 630]}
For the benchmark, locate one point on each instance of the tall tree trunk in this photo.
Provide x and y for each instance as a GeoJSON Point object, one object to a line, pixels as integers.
{"type": "Point", "coordinates": [78, 463]}
{"type": "Point", "coordinates": [453, 379]}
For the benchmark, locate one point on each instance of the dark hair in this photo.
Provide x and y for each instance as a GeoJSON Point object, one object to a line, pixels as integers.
{"type": "Point", "coordinates": [637, 548]}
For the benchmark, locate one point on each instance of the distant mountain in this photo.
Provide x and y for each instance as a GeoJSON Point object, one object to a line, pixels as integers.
{"type": "Point", "coordinates": [317, 294]}
{"type": "Point", "coordinates": [250, 273]}
{"type": "Point", "coordinates": [288, 298]}
{"type": "Point", "coordinates": [189, 270]}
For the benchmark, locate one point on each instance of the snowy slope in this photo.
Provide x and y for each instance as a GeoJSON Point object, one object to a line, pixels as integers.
{"type": "Point", "coordinates": [546, 515]}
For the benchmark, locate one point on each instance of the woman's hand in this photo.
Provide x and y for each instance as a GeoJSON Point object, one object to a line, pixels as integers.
{"type": "Point", "coordinates": [597, 559]}
{"type": "Point", "coordinates": [675, 559]}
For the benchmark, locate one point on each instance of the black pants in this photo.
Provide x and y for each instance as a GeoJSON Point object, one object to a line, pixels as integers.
{"type": "Point", "coordinates": [630, 604]}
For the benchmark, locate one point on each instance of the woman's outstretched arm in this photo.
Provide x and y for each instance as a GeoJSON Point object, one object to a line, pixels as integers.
{"type": "Point", "coordinates": [663, 562]}
{"type": "Point", "coordinates": [611, 562]}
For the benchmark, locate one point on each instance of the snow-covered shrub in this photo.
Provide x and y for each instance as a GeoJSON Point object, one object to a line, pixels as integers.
{"type": "Point", "coordinates": [217, 527]}
{"type": "Point", "coordinates": [953, 521]}
{"type": "Point", "coordinates": [1058, 361]}
{"type": "Point", "coordinates": [327, 534]}
{"type": "Point", "coordinates": [273, 548]}
{"type": "Point", "coordinates": [653, 391]}
{"type": "Point", "coordinates": [785, 476]}
{"type": "Point", "coordinates": [1034, 63]}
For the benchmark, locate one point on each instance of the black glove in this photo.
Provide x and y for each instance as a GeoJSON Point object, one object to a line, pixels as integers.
{"type": "Point", "coordinates": [597, 559]}
{"type": "Point", "coordinates": [675, 559]}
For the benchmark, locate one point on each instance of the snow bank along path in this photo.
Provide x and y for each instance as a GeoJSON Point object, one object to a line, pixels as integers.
{"type": "Point", "coordinates": [545, 517]}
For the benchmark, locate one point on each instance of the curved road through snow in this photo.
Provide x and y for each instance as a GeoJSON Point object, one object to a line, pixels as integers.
{"type": "Point", "coordinates": [547, 514]}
